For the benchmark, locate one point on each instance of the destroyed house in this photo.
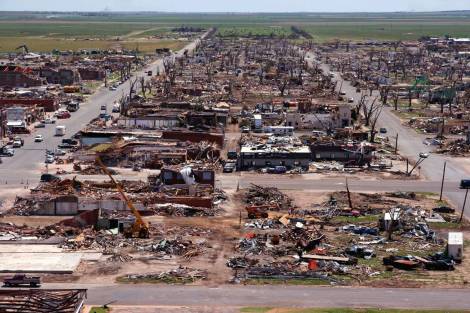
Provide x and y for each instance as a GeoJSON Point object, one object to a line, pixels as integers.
{"type": "Point", "coordinates": [87, 73]}
{"type": "Point", "coordinates": [352, 154]}
{"type": "Point", "coordinates": [150, 154]}
{"type": "Point", "coordinates": [90, 137]}
{"type": "Point", "coordinates": [213, 119]}
{"type": "Point", "coordinates": [261, 156]}
{"type": "Point", "coordinates": [42, 300]}
{"type": "Point", "coordinates": [151, 121]}
{"type": "Point", "coordinates": [16, 76]}
{"type": "Point", "coordinates": [49, 104]}
{"type": "Point", "coordinates": [174, 177]}
{"type": "Point", "coordinates": [194, 136]}
{"type": "Point", "coordinates": [176, 105]}
{"type": "Point", "coordinates": [61, 76]}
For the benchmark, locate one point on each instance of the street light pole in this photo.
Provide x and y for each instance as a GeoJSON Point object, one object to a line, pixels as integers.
{"type": "Point", "coordinates": [420, 160]}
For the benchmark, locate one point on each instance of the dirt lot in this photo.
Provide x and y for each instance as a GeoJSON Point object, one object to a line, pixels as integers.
{"type": "Point", "coordinates": [214, 240]}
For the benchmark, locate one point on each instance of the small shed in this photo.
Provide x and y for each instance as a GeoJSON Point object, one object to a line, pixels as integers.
{"type": "Point", "coordinates": [455, 246]}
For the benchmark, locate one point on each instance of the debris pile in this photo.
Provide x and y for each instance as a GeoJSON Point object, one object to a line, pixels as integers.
{"type": "Point", "coordinates": [258, 195]}
{"type": "Point", "coordinates": [180, 275]}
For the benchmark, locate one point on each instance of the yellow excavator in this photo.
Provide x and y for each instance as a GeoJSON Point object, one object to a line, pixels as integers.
{"type": "Point", "coordinates": [140, 228]}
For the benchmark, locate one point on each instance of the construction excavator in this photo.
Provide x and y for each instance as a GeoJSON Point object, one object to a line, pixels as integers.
{"type": "Point", "coordinates": [24, 47]}
{"type": "Point", "coordinates": [140, 228]}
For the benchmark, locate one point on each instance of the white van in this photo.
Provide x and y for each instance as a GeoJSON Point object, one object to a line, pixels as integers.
{"type": "Point", "coordinates": [60, 130]}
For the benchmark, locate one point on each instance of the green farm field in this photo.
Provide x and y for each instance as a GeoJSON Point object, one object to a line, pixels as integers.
{"type": "Point", "coordinates": [46, 31]}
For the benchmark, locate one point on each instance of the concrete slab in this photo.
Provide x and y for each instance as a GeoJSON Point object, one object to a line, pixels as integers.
{"type": "Point", "coordinates": [19, 248]}
{"type": "Point", "coordinates": [41, 258]}
{"type": "Point", "coordinates": [26, 262]}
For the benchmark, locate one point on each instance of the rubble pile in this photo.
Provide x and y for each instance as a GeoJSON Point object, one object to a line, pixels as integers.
{"type": "Point", "coordinates": [96, 170]}
{"type": "Point", "coordinates": [458, 147]}
{"type": "Point", "coordinates": [177, 246]}
{"type": "Point", "coordinates": [180, 275]}
{"type": "Point", "coordinates": [258, 195]}
{"type": "Point", "coordinates": [173, 209]}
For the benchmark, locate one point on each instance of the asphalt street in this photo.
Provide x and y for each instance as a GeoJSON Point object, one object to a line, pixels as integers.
{"type": "Point", "coordinates": [410, 144]}
{"type": "Point", "coordinates": [28, 161]}
{"type": "Point", "coordinates": [273, 296]}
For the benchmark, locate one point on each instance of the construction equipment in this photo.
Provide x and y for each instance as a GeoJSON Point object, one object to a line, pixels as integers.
{"type": "Point", "coordinates": [140, 228]}
{"type": "Point", "coordinates": [24, 47]}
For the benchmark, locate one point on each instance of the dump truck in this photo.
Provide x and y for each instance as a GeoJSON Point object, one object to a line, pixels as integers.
{"type": "Point", "coordinates": [22, 280]}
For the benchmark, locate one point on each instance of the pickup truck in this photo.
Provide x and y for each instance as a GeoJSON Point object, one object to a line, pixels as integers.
{"type": "Point", "coordinates": [22, 279]}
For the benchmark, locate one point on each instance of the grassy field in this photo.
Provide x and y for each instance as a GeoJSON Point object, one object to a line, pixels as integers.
{"type": "Point", "coordinates": [45, 31]}
{"type": "Point", "coordinates": [341, 310]}
{"type": "Point", "coordinates": [38, 44]}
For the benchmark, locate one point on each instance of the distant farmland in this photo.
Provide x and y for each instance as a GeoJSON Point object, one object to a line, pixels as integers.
{"type": "Point", "coordinates": [71, 31]}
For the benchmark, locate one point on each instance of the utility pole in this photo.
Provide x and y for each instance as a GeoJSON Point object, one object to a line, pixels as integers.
{"type": "Point", "coordinates": [349, 194]}
{"type": "Point", "coordinates": [442, 183]}
{"type": "Point", "coordinates": [396, 144]}
{"type": "Point", "coordinates": [463, 207]}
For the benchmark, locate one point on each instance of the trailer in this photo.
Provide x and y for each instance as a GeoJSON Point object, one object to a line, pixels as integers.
{"type": "Point", "coordinates": [60, 130]}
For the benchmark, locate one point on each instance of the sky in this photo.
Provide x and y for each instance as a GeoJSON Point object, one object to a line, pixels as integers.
{"type": "Point", "coordinates": [236, 5]}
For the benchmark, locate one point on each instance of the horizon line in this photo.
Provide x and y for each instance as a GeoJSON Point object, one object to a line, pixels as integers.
{"type": "Point", "coordinates": [230, 12]}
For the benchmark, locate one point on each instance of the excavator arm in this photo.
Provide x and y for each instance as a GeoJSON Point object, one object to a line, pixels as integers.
{"type": "Point", "coordinates": [140, 228]}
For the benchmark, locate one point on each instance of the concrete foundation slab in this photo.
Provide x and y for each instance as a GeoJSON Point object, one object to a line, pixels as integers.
{"type": "Point", "coordinates": [39, 262]}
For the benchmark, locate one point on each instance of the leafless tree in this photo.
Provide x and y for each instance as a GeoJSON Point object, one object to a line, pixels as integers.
{"type": "Point", "coordinates": [282, 84]}
{"type": "Point", "coordinates": [392, 225]}
{"type": "Point", "coordinates": [368, 110]}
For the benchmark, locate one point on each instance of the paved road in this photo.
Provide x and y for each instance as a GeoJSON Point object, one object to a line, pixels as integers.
{"type": "Point", "coordinates": [309, 182]}
{"type": "Point", "coordinates": [281, 296]}
{"type": "Point", "coordinates": [28, 161]}
{"type": "Point", "coordinates": [410, 143]}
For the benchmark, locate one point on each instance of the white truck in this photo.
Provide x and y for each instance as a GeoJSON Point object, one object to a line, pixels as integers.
{"type": "Point", "coordinates": [60, 130]}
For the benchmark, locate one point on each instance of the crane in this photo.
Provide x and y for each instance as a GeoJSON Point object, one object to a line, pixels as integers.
{"type": "Point", "coordinates": [140, 228]}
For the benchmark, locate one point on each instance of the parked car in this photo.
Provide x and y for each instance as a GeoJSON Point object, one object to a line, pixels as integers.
{"type": "Point", "coordinates": [38, 138]}
{"type": "Point", "coordinates": [70, 141]}
{"type": "Point", "coordinates": [465, 184]}
{"type": "Point", "coordinates": [350, 100]}
{"type": "Point", "coordinates": [229, 167]}
{"type": "Point", "coordinates": [63, 114]}
{"type": "Point", "coordinates": [49, 121]}
{"type": "Point", "coordinates": [8, 151]}
{"type": "Point", "coordinates": [59, 152]}
{"type": "Point", "coordinates": [245, 129]}
{"type": "Point", "coordinates": [277, 170]}
{"type": "Point", "coordinates": [105, 116]}
{"type": "Point", "coordinates": [65, 146]}
{"type": "Point", "coordinates": [423, 155]}
{"type": "Point", "coordinates": [40, 125]}
{"type": "Point", "coordinates": [49, 159]}
{"type": "Point", "coordinates": [21, 140]}
{"type": "Point", "coordinates": [16, 144]}
{"type": "Point", "coordinates": [21, 280]}
{"type": "Point", "coordinates": [232, 155]}
{"type": "Point", "coordinates": [45, 178]}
